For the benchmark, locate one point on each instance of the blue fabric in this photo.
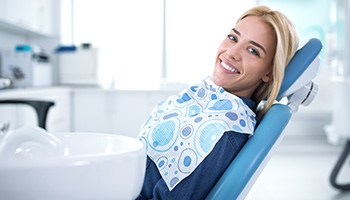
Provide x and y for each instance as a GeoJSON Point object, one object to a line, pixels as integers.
{"type": "Point", "coordinates": [204, 177]}
{"type": "Point", "coordinates": [199, 183]}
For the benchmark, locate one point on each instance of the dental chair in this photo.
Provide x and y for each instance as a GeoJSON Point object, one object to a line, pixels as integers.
{"type": "Point", "coordinates": [297, 89]}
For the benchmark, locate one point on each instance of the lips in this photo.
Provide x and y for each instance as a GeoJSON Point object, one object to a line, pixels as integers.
{"type": "Point", "coordinates": [229, 68]}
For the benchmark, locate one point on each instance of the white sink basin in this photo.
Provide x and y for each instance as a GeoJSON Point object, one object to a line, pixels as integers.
{"type": "Point", "coordinates": [37, 165]}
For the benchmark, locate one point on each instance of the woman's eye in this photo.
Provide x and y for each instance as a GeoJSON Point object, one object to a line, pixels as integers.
{"type": "Point", "coordinates": [254, 51]}
{"type": "Point", "coordinates": [232, 37]}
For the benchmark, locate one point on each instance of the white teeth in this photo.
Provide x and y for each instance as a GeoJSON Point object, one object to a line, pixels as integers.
{"type": "Point", "coordinates": [229, 68]}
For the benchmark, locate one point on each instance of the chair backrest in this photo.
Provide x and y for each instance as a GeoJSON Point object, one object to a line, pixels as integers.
{"type": "Point", "coordinates": [246, 167]}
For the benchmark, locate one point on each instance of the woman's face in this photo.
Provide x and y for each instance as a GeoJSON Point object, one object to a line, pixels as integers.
{"type": "Point", "coordinates": [244, 59]}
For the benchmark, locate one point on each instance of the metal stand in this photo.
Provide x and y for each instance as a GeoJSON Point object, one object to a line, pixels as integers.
{"type": "Point", "coordinates": [338, 166]}
{"type": "Point", "coordinates": [41, 108]}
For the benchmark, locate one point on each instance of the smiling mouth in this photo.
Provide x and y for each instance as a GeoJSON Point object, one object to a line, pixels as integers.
{"type": "Point", "coordinates": [227, 67]}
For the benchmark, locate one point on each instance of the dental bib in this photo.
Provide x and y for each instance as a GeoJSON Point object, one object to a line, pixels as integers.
{"type": "Point", "coordinates": [182, 130]}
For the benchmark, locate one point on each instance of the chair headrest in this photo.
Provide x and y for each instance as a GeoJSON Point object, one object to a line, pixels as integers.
{"type": "Point", "coordinates": [302, 68]}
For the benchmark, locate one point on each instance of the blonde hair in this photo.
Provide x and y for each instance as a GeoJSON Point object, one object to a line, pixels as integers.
{"type": "Point", "coordinates": [287, 44]}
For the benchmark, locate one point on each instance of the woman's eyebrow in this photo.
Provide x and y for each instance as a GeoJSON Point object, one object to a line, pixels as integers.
{"type": "Point", "coordinates": [236, 31]}
{"type": "Point", "coordinates": [258, 45]}
{"type": "Point", "coordinates": [252, 42]}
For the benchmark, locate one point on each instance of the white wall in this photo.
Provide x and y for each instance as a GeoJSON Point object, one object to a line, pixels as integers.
{"type": "Point", "coordinates": [9, 38]}
{"type": "Point", "coordinates": [310, 120]}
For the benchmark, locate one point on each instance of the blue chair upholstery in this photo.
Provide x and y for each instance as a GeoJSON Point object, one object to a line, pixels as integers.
{"type": "Point", "coordinates": [245, 168]}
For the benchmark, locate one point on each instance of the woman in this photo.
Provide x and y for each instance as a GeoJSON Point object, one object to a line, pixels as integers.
{"type": "Point", "coordinates": [249, 68]}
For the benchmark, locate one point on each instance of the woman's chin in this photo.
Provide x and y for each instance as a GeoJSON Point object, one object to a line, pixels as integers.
{"type": "Point", "coordinates": [217, 81]}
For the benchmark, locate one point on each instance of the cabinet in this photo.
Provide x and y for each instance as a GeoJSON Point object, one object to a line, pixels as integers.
{"type": "Point", "coordinates": [59, 116]}
{"type": "Point", "coordinates": [119, 112]}
{"type": "Point", "coordinates": [29, 16]}
{"type": "Point", "coordinates": [113, 111]}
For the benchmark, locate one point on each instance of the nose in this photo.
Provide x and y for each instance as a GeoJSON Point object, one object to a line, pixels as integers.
{"type": "Point", "coordinates": [234, 52]}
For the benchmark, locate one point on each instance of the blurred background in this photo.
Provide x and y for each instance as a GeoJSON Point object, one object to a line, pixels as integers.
{"type": "Point", "coordinates": [105, 64]}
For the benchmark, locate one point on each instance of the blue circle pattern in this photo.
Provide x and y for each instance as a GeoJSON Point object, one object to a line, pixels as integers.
{"type": "Point", "coordinates": [200, 116]}
{"type": "Point", "coordinates": [162, 162]}
{"type": "Point", "coordinates": [209, 135]}
{"type": "Point", "coordinates": [163, 135]}
{"type": "Point", "coordinates": [186, 131]}
{"type": "Point", "coordinates": [194, 110]}
{"type": "Point", "coordinates": [187, 160]}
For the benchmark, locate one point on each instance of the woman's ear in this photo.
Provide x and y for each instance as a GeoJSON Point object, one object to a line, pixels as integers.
{"type": "Point", "coordinates": [267, 77]}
